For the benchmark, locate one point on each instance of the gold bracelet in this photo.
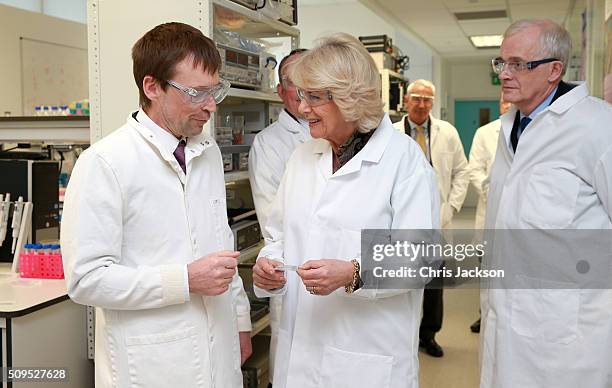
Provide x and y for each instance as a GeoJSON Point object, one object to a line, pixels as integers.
{"type": "Point", "coordinates": [351, 287]}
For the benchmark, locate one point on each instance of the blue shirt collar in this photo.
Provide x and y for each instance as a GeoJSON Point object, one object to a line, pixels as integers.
{"type": "Point", "coordinates": [543, 105]}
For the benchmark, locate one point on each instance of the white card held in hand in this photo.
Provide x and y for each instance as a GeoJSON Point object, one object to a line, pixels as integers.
{"type": "Point", "coordinates": [286, 267]}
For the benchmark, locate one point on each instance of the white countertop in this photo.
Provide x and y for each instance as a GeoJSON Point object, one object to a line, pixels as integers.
{"type": "Point", "coordinates": [18, 296]}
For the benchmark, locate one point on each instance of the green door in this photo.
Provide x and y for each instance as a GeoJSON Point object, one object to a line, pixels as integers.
{"type": "Point", "coordinates": [471, 115]}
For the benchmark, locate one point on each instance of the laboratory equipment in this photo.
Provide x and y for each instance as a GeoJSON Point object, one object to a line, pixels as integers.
{"type": "Point", "coordinates": [5, 207]}
{"type": "Point", "coordinates": [37, 182]}
{"type": "Point", "coordinates": [16, 223]}
{"type": "Point", "coordinates": [240, 67]}
{"type": "Point", "coordinates": [41, 261]}
{"type": "Point", "coordinates": [246, 234]}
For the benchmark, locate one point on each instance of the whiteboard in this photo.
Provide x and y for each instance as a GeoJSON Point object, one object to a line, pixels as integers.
{"type": "Point", "coordinates": [52, 74]}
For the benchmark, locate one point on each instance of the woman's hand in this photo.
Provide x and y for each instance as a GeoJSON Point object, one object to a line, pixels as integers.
{"type": "Point", "coordinates": [265, 276]}
{"type": "Point", "coordinates": [322, 277]}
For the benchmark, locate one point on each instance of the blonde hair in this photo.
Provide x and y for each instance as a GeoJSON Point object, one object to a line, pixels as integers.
{"type": "Point", "coordinates": [341, 64]}
{"type": "Point", "coordinates": [554, 40]}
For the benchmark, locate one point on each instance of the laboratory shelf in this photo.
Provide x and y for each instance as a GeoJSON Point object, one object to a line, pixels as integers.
{"type": "Point", "coordinates": [393, 74]}
{"type": "Point", "coordinates": [258, 25]}
{"type": "Point", "coordinates": [235, 176]}
{"type": "Point", "coordinates": [260, 325]}
{"type": "Point", "coordinates": [234, 149]}
{"type": "Point", "coordinates": [63, 129]}
{"type": "Point", "coordinates": [237, 96]}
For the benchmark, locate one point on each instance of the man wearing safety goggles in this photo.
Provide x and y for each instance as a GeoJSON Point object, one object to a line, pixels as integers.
{"type": "Point", "coordinates": [442, 146]}
{"type": "Point", "coordinates": [145, 236]}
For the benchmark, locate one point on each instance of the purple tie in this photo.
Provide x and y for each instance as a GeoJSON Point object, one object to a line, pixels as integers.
{"type": "Point", "coordinates": [179, 154]}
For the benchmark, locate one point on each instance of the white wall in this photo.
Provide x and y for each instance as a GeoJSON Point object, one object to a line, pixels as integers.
{"type": "Point", "coordinates": [16, 23]}
{"type": "Point", "coordinates": [468, 79]}
{"type": "Point", "coordinates": [319, 19]}
{"type": "Point", "coordinates": [75, 10]}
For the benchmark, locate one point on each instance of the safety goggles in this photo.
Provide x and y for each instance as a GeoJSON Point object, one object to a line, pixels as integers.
{"type": "Point", "coordinates": [420, 98]}
{"type": "Point", "coordinates": [217, 92]}
{"type": "Point", "coordinates": [314, 98]}
{"type": "Point", "coordinates": [498, 65]}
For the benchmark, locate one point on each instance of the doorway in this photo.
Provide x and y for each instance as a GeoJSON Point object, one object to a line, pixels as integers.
{"type": "Point", "coordinates": [471, 115]}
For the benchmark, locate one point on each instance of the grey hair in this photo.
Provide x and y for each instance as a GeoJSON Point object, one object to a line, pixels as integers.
{"type": "Point", "coordinates": [554, 40]}
{"type": "Point", "coordinates": [341, 64]}
{"type": "Point", "coordinates": [422, 82]}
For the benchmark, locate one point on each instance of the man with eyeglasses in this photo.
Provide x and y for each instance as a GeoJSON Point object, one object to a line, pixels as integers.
{"type": "Point", "coordinates": [145, 237]}
{"type": "Point", "coordinates": [267, 160]}
{"type": "Point", "coordinates": [442, 146]}
{"type": "Point", "coordinates": [549, 324]}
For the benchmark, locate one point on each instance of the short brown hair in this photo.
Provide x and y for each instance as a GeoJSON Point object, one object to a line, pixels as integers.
{"type": "Point", "coordinates": [162, 48]}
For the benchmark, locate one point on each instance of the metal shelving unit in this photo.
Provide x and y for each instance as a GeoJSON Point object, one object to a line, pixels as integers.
{"type": "Point", "coordinates": [236, 95]}
{"type": "Point", "coordinates": [386, 79]}
{"type": "Point", "coordinates": [258, 25]}
{"type": "Point", "coordinates": [236, 176]}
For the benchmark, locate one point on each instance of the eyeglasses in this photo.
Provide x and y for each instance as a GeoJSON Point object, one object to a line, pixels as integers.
{"type": "Point", "coordinates": [314, 98]}
{"type": "Point", "coordinates": [286, 82]}
{"type": "Point", "coordinates": [217, 92]}
{"type": "Point", "coordinates": [421, 98]}
{"type": "Point", "coordinates": [517, 66]}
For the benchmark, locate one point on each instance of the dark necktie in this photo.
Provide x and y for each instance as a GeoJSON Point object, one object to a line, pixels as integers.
{"type": "Point", "coordinates": [518, 131]}
{"type": "Point", "coordinates": [179, 154]}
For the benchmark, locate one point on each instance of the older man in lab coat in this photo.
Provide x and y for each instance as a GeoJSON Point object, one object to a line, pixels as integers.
{"type": "Point", "coordinates": [552, 173]}
{"type": "Point", "coordinates": [145, 236]}
{"type": "Point", "coordinates": [442, 146]}
{"type": "Point", "coordinates": [267, 160]}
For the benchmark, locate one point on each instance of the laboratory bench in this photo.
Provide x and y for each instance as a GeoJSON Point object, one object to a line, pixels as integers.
{"type": "Point", "coordinates": [42, 328]}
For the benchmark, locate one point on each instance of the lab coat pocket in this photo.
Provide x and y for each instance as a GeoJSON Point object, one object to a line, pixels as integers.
{"type": "Point", "coordinates": [544, 311]}
{"type": "Point", "coordinates": [219, 219]}
{"type": "Point", "coordinates": [170, 359]}
{"type": "Point", "coordinates": [343, 369]}
{"type": "Point", "coordinates": [550, 197]}
{"type": "Point", "coordinates": [350, 244]}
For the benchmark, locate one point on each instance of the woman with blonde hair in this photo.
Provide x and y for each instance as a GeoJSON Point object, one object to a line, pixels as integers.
{"type": "Point", "coordinates": [357, 173]}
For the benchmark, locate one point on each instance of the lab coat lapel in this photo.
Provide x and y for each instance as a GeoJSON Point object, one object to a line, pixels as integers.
{"type": "Point", "coordinates": [373, 150]}
{"type": "Point", "coordinates": [195, 146]}
{"type": "Point", "coordinates": [434, 129]}
{"type": "Point", "coordinates": [324, 163]}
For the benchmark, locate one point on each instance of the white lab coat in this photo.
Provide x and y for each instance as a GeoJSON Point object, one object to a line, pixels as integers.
{"type": "Point", "coordinates": [368, 338]}
{"type": "Point", "coordinates": [451, 167]}
{"type": "Point", "coordinates": [560, 178]}
{"type": "Point", "coordinates": [132, 221]}
{"type": "Point", "coordinates": [482, 155]}
{"type": "Point", "coordinates": [268, 157]}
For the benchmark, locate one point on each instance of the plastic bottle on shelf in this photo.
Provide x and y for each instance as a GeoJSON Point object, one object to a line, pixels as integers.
{"type": "Point", "coordinates": [38, 110]}
{"type": "Point", "coordinates": [64, 110]}
{"type": "Point", "coordinates": [55, 111]}
{"type": "Point", "coordinates": [46, 111]}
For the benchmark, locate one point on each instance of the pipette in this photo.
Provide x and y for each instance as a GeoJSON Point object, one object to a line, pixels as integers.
{"type": "Point", "coordinates": [16, 224]}
{"type": "Point", "coordinates": [5, 207]}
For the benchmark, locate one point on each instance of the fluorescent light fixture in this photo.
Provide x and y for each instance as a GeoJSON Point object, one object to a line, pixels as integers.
{"type": "Point", "coordinates": [486, 41]}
